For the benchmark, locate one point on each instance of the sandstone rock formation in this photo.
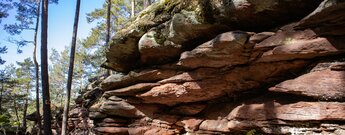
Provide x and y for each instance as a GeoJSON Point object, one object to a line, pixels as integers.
{"type": "Point", "coordinates": [225, 67]}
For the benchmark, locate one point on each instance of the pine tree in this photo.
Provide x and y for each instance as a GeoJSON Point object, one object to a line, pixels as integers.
{"type": "Point", "coordinates": [44, 70]}
{"type": "Point", "coordinates": [37, 78]}
{"type": "Point", "coordinates": [24, 75]}
{"type": "Point", "coordinates": [70, 70]}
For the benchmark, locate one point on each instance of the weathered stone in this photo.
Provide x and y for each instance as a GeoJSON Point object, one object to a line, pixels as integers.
{"type": "Point", "coordinates": [190, 124]}
{"type": "Point", "coordinates": [215, 125]}
{"type": "Point", "coordinates": [324, 85]}
{"type": "Point", "coordinates": [257, 38]}
{"type": "Point", "coordinates": [190, 109]}
{"type": "Point", "coordinates": [286, 35]}
{"type": "Point", "coordinates": [149, 75]}
{"type": "Point", "coordinates": [120, 108]}
{"type": "Point", "coordinates": [192, 20]}
{"type": "Point", "coordinates": [114, 120]}
{"type": "Point", "coordinates": [197, 75]}
{"type": "Point", "coordinates": [97, 115]}
{"type": "Point", "coordinates": [260, 15]}
{"type": "Point", "coordinates": [238, 79]}
{"type": "Point", "coordinates": [226, 49]}
{"type": "Point", "coordinates": [220, 86]}
{"type": "Point", "coordinates": [123, 54]}
{"type": "Point", "coordinates": [112, 130]}
{"type": "Point", "coordinates": [300, 111]}
{"type": "Point", "coordinates": [131, 90]}
{"type": "Point", "coordinates": [93, 94]}
{"type": "Point", "coordinates": [338, 67]}
{"type": "Point", "coordinates": [304, 49]}
{"type": "Point", "coordinates": [150, 110]}
{"type": "Point", "coordinates": [163, 125]}
{"type": "Point", "coordinates": [111, 125]}
{"type": "Point", "coordinates": [95, 107]}
{"type": "Point", "coordinates": [161, 119]}
{"type": "Point", "coordinates": [327, 19]}
{"type": "Point", "coordinates": [188, 25]}
{"type": "Point", "coordinates": [150, 130]}
{"type": "Point", "coordinates": [154, 50]}
{"type": "Point", "coordinates": [115, 98]}
{"type": "Point", "coordinates": [171, 94]}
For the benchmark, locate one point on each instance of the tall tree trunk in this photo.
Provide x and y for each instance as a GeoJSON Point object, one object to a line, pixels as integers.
{"type": "Point", "coordinates": [147, 3]}
{"type": "Point", "coordinates": [2, 89]}
{"type": "Point", "coordinates": [16, 113]}
{"type": "Point", "coordinates": [37, 77]}
{"type": "Point", "coordinates": [44, 70]}
{"type": "Point", "coordinates": [70, 70]}
{"type": "Point", "coordinates": [133, 8]}
{"type": "Point", "coordinates": [108, 23]}
{"type": "Point", "coordinates": [25, 108]}
{"type": "Point", "coordinates": [108, 30]}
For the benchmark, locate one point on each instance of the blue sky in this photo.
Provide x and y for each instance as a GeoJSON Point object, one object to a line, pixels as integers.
{"type": "Point", "coordinates": [61, 19]}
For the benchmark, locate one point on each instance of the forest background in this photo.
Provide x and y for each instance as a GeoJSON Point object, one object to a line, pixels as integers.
{"type": "Point", "coordinates": [17, 67]}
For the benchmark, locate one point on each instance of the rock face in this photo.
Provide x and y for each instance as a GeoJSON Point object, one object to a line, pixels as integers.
{"type": "Point", "coordinates": [201, 67]}
{"type": "Point", "coordinates": [183, 24]}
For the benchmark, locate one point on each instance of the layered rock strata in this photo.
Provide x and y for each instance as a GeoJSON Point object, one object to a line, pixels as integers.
{"type": "Point", "coordinates": [203, 67]}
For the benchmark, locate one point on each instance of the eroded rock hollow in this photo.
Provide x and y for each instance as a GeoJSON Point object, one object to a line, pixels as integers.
{"type": "Point", "coordinates": [224, 67]}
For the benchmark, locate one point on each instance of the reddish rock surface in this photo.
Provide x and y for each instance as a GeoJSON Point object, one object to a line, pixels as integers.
{"type": "Point", "coordinates": [300, 111]}
{"type": "Point", "coordinates": [149, 75]}
{"type": "Point", "coordinates": [324, 85]}
{"type": "Point", "coordinates": [111, 130]}
{"type": "Point", "coordinates": [287, 79]}
{"type": "Point", "coordinates": [226, 49]}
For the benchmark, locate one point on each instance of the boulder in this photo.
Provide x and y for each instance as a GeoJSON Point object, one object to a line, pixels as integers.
{"type": "Point", "coordinates": [215, 125]}
{"type": "Point", "coordinates": [290, 44]}
{"type": "Point", "coordinates": [154, 50]}
{"type": "Point", "coordinates": [227, 49]}
{"type": "Point", "coordinates": [111, 130]}
{"type": "Point", "coordinates": [120, 108]}
{"type": "Point", "coordinates": [300, 111]}
{"type": "Point", "coordinates": [131, 90]}
{"type": "Point", "coordinates": [97, 115]}
{"type": "Point", "coordinates": [322, 85]}
{"type": "Point", "coordinates": [187, 22]}
{"type": "Point", "coordinates": [149, 76]}
{"type": "Point", "coordinates": [172, 94]}
{"type": "Point", "coordinates": [151, 130]}
{"type": "Point", "coordinates": [238, 79]}
{"type": "Point", "coordinates": [190, 124]}
{"type": "Point", "coordinates": [223, 67]}
{"type": "Point", "coordinates": [327, 19]}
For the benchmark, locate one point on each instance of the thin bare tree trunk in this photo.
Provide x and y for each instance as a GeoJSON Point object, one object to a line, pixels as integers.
{"type": "Point", "coordinates": [108, 23]}
{"type": "Point", "coordinates": [2, 89]}
{"type": "Point", "coordinates": [44, 70]}
{"type": "Point", "coordinates": [133, 8]}
{"type": "Point", "coordinates": [70, 70]}
{"type": "Point", "coordinates": [25, 108]}
{"type": "Point", "coordinates": [108, 30]}
{"type": "Point", "coordinates": [16, 113]}
{"type": "Point", "coordinates": [38, 115]}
